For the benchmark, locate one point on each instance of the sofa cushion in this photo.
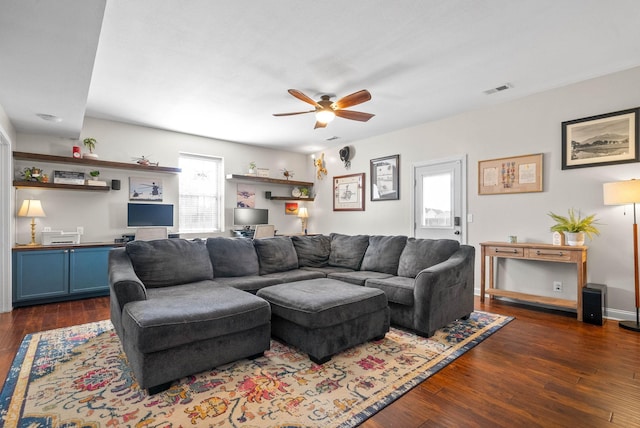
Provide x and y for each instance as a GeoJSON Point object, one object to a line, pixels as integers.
{"type": "Point", "coordinates": [276, 254]}
{"type": "Point", "coordinates": [383, 254]}
{"type": "Point", "coordinates": [166, 262]}
{"type": "Point", "coordinates": [398, 289]}
{"type": "Point", "coordinates": [312, 251]}
{"type": "Point", "coordinates": [357, 277]}
{"type": "Point", "coordinates": [347, 251]}
{"type": "Point", "coordinates": [232, 257]}
{"type": "Point", "coordinates": [419, 254]}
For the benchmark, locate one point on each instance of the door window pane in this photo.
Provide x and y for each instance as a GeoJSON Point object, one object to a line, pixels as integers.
{"type": "Point", "coordinates": [436, 200]}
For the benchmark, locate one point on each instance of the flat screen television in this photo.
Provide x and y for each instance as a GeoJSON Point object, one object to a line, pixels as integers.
{"type": "Point", "coordinates": [250, 216]}
{"type": "Point", "coordinates": [141, 215]}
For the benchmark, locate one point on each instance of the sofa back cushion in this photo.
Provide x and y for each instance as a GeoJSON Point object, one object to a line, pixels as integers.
{"type": "Point", "coordinates": [165, 262]}
{"type": "Point", "coordinates": [276, 254]}
{"type": "Point", "coordinates": [347, 251]}
{"type": "Point", "coordinates": [420, 254]}
{"type": "Point", "coordinates": [232, 257]}
{"type": "Point", "coordinates": [312, 251]}
{"type": "Point", "coordinates": [383, 254]}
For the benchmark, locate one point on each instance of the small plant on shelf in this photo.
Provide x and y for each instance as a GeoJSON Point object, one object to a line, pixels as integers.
{"type": "Point", "coordinates": [575, 224]}
{"type": "Point", "coordinates": [94, 174]}
{"type": "Point", "coordinates": [90, 143]}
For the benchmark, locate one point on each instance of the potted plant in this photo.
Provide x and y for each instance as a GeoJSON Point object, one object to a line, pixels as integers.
{"type": "Point", "coordinates": [252, 167]}
{"type": "Point", "coordinates": [90, 143]}
{"type": "Point", "coordinates": [304, 192]}
{"type": "Point", "coordinates": [575, 227]}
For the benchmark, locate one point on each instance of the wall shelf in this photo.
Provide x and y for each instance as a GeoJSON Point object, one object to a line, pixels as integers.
{"type": "Point", "coordinates": [33, 184]}
{"type": "Point", "coordinates": [268, 180]}
{"type": "Point", "coordinates": [93, 162]}
{"type": "Point", "coordinates": [290, 198]}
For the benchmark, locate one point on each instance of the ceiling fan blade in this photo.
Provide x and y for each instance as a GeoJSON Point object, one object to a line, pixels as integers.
{"type": "Point", "coordinates": [354, 115]}
{"type": "Point", "coordinates": [291, 114]}
{"type": "Point", "coordinates": [302, 97]}
{"type": "Point", "coordinates": [320, 125]}
{"type": "Point", "coordinates": [353, 99]}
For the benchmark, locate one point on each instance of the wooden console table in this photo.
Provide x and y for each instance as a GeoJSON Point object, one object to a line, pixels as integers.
{"type": "Point", "coordinates": [530, 251]}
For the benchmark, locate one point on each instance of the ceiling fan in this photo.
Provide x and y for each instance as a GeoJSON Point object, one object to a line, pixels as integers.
{"type": "Point", "coordinates": [326, 110]}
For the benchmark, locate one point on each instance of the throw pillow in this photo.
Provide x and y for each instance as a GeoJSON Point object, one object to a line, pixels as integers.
{"type": "Point", "coordinates": [383, 254]}
{"type": "Point", "coordinates": [166, 262]}
{"type": "Point", "coordinates": [347, 251]}
{"type": "Point", "coordinates": [276, 254]}
{"type": "Point", "coordinates": [312, 251]}
{"type": "Point", "coordinates": [232, 257]}
{"type": "Point", "coordinates": [420, 254]}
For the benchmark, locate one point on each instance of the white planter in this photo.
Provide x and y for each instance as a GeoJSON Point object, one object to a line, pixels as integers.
{"type": "Point", "coordinates": [574, 239]}
{"type": "Point", "coordinates": [89, 156]}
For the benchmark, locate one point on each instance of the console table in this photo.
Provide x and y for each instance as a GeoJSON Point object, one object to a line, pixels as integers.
{"type": "Point", "coordinates": [530, 251]}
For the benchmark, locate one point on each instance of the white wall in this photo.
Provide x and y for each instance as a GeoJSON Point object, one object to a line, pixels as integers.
{"type": "Point", "coordinates": [525, 126]}
{"type": "Point", "coordinates": [103, 215]}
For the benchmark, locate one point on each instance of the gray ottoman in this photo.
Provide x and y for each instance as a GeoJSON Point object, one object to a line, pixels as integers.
{"type": "Point", "coordinates": [324, 316]}
{"type": "Point", "coordinates": [172, 336]}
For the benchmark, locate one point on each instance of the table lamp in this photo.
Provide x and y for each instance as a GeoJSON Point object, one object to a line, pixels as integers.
{"type": "Point", "coordinates": [624, 193]}
{"type": "Point", "coordinates": [32, 208]}
{"type": "Point", "coordinates": [303, 213]}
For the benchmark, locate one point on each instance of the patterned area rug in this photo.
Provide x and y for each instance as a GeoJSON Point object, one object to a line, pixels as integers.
{"type": "Point", "coordinates": [79, 377]}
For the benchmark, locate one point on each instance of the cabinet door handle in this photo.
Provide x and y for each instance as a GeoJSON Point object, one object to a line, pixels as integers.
{"type": "Point", "coordinates": [514, 251]}
{"type": "Point", "coordinates": [540, 253]}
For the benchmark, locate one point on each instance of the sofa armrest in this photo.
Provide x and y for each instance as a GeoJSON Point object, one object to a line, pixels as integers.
{"type": "Point", "coordinates": [124, 284]}
{"type": "Point", "coordinates": [444, 292]}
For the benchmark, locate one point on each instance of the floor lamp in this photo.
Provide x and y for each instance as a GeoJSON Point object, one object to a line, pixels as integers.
{"type": "Point", "coordinates": [624, 193]}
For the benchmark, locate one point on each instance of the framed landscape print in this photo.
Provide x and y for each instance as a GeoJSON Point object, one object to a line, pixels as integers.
{"type": "Point", "coordinates": [517, 174]}
{"type": "Point", "coordinates": [145, 189]}
{"type": "Point", "coordinates": [606, 139]}
{"type": "Point", "coordinates": [348, 192]}
{"type": "Point", "coordinates": [385, 185]}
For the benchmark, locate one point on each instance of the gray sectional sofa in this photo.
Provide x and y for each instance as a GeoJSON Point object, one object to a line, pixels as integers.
{"type": "Point", "coordinates": [180, 306]}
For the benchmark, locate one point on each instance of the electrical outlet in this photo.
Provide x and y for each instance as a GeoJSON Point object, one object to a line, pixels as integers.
{"type": "Point", "coordinates": [80, 230]}
{"type": "Point", "coordinates": [557, 286]}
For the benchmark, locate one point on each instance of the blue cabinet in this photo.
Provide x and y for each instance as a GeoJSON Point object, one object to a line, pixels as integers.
{"type": "Point", "coordinates": [43, 276]}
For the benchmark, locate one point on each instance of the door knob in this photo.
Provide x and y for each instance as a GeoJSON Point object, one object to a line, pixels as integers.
{"type": "Point", "coordinates": [457, 232]}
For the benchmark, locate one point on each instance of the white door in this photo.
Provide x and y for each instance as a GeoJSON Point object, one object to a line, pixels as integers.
{"type": "Point", "coordinates": [440, 199]}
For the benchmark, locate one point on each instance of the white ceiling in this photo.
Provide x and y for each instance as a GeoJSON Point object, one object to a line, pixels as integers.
{"type": "Point", "coordinates": [221, 69]}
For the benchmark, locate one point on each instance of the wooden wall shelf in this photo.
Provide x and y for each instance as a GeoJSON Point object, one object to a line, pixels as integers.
{"type": "Point", "coordinates": [290, 198]}
{"type": "Point", "coordinates": [93, 162]}
{"type": "Point", "coordinates": [33, 184]}
{"type": "Point", "coordinates": [268, 180]}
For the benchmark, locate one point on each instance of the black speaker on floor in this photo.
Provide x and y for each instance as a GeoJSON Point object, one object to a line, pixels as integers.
{"type": "Point", "coordinates": [593, 303]}
{"type": "Point", "coordinates": [115, 184]}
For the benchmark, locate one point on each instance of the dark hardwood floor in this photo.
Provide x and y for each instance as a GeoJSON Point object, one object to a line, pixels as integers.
{"type": "Point", "coordinates": [544, 369]}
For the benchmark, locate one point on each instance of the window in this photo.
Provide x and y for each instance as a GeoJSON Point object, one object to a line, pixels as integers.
{"type": "Point", "coordinates": [200, 201]}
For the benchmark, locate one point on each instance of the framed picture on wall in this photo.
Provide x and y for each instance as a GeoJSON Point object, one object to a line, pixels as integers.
{"type": "Point", "coordinates": [348, 192]}
{"type": "Point", "coordinates": [145, 189]}
{"type": "Point", "coordinates": [607, 139]}
{"type": "Point", "coordinates": [385, 184]}
{"type": "Point", "coordinates": [516, 174]}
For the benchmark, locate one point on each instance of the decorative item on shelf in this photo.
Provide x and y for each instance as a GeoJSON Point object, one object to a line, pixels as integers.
{"type": "Point", "coordinates": [252, 168]}
{"type": "Point", "coordinates": [68, 177]}
{"type": "Point", "coordinates": [142, 160]}
{"type": "Point", "coordinates": [287, 174]}
{"type": "Point", "coordinates": [575, 227]}
{"type": "Point", "coordinates": [626, 193]}
{"type": "Point", "coordinates": [94, 180]}
{"type": "Point", "coordinates": [304, 192]}
{"type": "Point", "coordinates": [31, 208]}
{"type": "Point", "coordinates": [558, 238]}
{"type": "Point", "coordinates": [76, 153]}
{"type": "Point", "coordinates": [303, 214]}
{"type": "Point", "coordinates": [33, 174]}
{"type": "Point", "coordinates": [296, 192]}
{"type": "Point", "coordinates": [345, 156]}
{"type": "Point", "coordinates": [262, 172]}
{"type": "Point", "coordinates": [90, 143]}
{"type": "Point", "coordinates": [320, 168]}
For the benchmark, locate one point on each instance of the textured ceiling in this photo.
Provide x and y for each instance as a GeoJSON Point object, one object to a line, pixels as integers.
{"type": "Point", "coordinates": [221, 69]}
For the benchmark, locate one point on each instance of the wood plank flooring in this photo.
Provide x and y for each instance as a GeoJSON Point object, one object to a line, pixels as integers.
{"type": "Point", "coordinates": [544, 369]}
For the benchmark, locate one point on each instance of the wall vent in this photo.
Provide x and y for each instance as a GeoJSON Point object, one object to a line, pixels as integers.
{"type": "Point", "coordinates": [332, 138]}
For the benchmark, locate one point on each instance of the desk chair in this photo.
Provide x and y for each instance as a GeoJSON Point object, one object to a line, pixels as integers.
{"type": "Point", "coordinates": [264, 231]}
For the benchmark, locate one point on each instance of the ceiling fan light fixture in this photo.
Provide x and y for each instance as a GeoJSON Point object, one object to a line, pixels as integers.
{"type": "Point", "coordinates": [325, 115]}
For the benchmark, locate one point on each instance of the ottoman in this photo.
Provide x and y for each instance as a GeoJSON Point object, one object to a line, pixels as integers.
{"type": "Point", "coordinates": [178, 334]}
{"type": "Point", "coordinates": [322, 317]}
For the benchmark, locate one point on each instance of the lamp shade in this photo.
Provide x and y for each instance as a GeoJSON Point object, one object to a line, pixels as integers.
{"type": "Point", "coordinates": [303, 213]}
{"type": "Point", "coordinates": [325, 115]}
{"type": "Point", "coordinates": [31, 208]}
{"type": "Point", "coordinates": [621, 192]}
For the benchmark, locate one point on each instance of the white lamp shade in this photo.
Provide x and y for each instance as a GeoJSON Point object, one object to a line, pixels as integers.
{"type": "Point", "coordinates": [31, 208]}
{"type": "Point", "coordinates": [325, 115]}
{"type": "Point", "coordinates": [303, 213]}
{"type": "Point", "coordinates": [621, 192]}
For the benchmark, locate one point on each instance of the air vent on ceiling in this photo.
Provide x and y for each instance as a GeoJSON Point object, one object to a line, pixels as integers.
{"type": "Point", "coordinates": [332, 138]}
{"type": "Point", "coordinates": [498, 89]}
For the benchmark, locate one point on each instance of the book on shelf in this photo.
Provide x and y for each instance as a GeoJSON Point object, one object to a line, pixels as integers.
{"type": "Point", "coordinates": [68, 177]}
